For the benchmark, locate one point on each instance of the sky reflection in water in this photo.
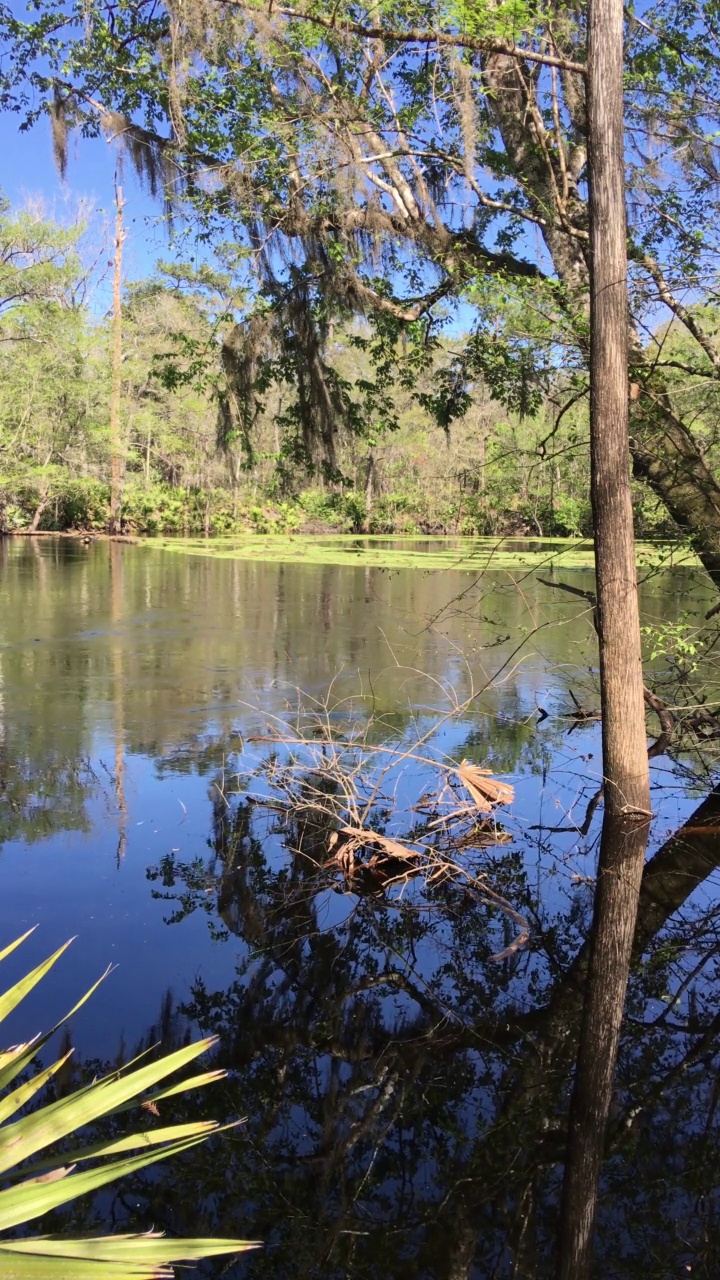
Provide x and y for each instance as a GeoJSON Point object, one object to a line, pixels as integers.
{"type": "Point", "coordinates": [405, 1094]}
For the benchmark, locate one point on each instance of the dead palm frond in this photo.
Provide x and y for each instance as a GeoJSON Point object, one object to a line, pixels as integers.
{"type": "Point", "coordinates": [485, 790]}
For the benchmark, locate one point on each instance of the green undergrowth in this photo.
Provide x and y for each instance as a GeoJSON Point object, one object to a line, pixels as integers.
{"type": "Point", "coordinates": [416, 553]}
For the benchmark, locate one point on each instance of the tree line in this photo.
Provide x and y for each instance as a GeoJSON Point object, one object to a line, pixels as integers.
{"type": "Point", "coordinates": [385, 165]}
{"type": "Point", "coordinates": [493, 470]}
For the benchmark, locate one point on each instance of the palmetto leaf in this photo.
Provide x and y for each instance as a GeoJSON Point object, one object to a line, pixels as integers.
{"type": "Point", "coordinates": [6, 951]}
{"type": "Point", "coordinates": [15, 1060]}
{"type": "Point", "coordinates": [10, 999]}
{"type": "Point", "coordinates": [53, 1181]}
{"type": "Point", "coordinates": [152, 1248]}
{"type": "Point", "coordinates": [20, 1097]}
{"type": "Point", "coordinates": [23, 1138]}
{"type": "Point", "coordinates": [145, 1257]}
{"type": "Point", "coordinates": [36, 1267]}
{"type": "Point", "coordinates": [148, 1138]}
{"type": "Point", "coordinates": [34, 1197]}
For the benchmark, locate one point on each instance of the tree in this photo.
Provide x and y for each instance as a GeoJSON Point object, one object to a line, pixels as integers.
{"type": "Point", "coordinates": [51, 407]}
{"type": "Point", "coordinates": [169, 377]}
{"type": "Point", "coordinates": [425, 1087]}
{"type": "Point", "coordinates": [117, 434]}
{"type": "Point", "coordinates": [626, 781]}
{"type": "Point", "coordinates": [383, 161]}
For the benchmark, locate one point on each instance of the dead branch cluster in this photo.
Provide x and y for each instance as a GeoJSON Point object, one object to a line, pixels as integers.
{"type": "Point", "coordinates": [342, 802]}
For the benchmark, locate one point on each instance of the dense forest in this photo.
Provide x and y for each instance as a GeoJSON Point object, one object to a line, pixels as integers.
{"type": "Point", "coordinates": [486, 473]}
{"type": "Point", "coordinates": [386, 327]}
{"type": "Point", "coordinates": [493, 469]}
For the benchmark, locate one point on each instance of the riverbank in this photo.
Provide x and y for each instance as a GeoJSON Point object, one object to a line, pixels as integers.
{"type": "Point", "coordinates": [157, 509]}
{"type": "Point", "coordinates": [383, 551]}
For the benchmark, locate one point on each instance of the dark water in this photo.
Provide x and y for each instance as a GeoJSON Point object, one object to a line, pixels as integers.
{"type": "Point", "coordinates": [405, 1091]}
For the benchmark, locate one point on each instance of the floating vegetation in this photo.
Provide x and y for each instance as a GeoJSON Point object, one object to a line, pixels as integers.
{"type": "Point", "coordinates": [380, 552]}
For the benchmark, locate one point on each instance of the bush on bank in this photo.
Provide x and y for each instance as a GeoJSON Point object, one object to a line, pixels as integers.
{"type": "Point", "coordinates": [82, 504]}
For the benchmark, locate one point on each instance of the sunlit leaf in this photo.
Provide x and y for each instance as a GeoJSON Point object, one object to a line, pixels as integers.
{"type": "Point", "coordinates": [151, 1248]}
{"type": "Point", "coordinates": [9, 1000]}
{"type": "Point", "coordinates": [6, 951]}
{"type": "Point", "coordinates": [15, 1101]}
{"type": "Point", "coordinates": [32, 1199]}
{"type": "Point", "coordinates": [54, 1181]}
{"type": "Point", "coordinates": [15, 1060]}
{"type": "Point", "coordinates": [23, 1138]}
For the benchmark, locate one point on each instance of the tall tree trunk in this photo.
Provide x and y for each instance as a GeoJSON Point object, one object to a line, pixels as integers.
{"type": "Point", "coordinates": [40, 508]}
{"type": "Point", "coordinates": [625, 762]}
{"type": "Point", "coordinates": [664, 451]}
{"type": "Point", "coordinates": [370, 482]}
{"type": "Point", "coordinates": [117, 451]}
{"type": "Point", "coordinates": [667, 457]}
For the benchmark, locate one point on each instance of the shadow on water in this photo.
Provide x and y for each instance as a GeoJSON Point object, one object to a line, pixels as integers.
{"type": "Point", "coordinates": [406, 1092]}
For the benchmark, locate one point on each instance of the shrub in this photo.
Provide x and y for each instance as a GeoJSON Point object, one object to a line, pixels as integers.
{"type": "Point", "coordinates": [42, 1178]}
{"type": "Point", "coordinates": [81, 504]}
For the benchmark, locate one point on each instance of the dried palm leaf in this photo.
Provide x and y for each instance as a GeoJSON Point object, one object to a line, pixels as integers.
{"type": "Point", "coordinates": [485, 790]}
{"type": "Point", "coordinates": [360, 838]}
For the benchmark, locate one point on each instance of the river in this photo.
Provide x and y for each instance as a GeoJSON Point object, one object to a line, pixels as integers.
{"type": "Point", "coordinates": [167, 722]}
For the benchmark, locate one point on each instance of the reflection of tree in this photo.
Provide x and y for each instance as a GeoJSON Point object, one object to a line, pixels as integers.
{"type": "Point", "coordinates": [118, 671]}
{"type": "Point", "coordinates": [45, 776]}
{"type": "Point", "coordinates": [407, 1098]}
{"type": "Point", "coordinates": [66, 672]}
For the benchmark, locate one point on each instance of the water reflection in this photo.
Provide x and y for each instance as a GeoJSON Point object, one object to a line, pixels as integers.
{"type": "Point", "coordinates": [406, 1095]}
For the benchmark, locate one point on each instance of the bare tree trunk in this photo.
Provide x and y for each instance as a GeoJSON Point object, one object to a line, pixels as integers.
{"type": "Point", "coordinates": [664, 450]}
{"type": "Point", "coordinates": [482, 454]}
{"type": "Point", "coordinates": [370, 482]}
{"type": "Point", "coordinates": [43, 499]}
{"type": "Point", "coordinates": [42, 504]}
{"type": "Point", "coordinates": [117, 452]}
{"type": "Point", "coordinates": [667, 457]}
{"type": "Point", "coordinates": [625, 761]}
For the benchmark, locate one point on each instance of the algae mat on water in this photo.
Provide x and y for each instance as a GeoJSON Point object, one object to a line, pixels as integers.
{"type": "Point", "coordinates": [382, 552]}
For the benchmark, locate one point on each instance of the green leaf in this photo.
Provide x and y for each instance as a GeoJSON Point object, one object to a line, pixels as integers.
{"type": "Point", "coordinates": [22, 1139]}
{"type": "Point", "coordinates": [31, 1199]}
{"type": "Point", "coordinates": [8, 950]}
{"type": "Point", "coordinates": [15, 1101]}
{"type": "Point", "coordinates": [50, 1184]}
{"type": "Point", "coordinates": [152, 1247]}
{"type": "Point", "coordinates": [36, 1267]}
{"type": "Point", "coordinates": [15, 1060]}
{"type": "Point", "coordinates": [9, 1000]}
{"type": "Point", "coordinates": [148, 1138]}
{"type": "Point", "coordinates": [185, 1086]}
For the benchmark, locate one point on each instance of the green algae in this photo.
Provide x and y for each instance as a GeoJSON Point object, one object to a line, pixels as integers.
{"type": "Point", "coordinates": [382, 552]}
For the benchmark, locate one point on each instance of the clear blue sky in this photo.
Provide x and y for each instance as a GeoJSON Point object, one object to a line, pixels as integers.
{"type": "Point", "coordinates": [29, 175]}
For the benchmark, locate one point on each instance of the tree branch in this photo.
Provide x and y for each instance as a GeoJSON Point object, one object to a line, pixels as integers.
{"type": "Point", "coordinates": [415, 35]}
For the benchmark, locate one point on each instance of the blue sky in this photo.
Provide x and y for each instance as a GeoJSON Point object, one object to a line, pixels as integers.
{"type": "Point", "coordinates": [29, 175]}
